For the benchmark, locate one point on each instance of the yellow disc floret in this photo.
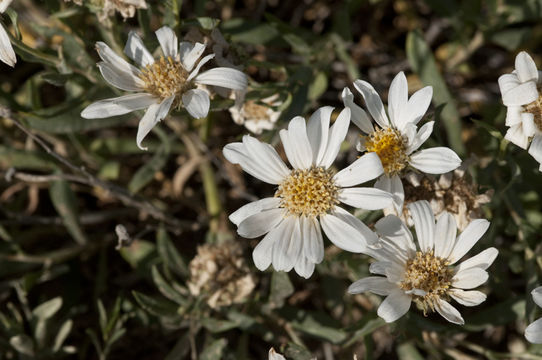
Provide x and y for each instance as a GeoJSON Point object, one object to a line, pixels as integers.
{"type": "Point", "coordinates": [390, 146]}
{"type": "Point", "coordinates": [308, 192]}
{"type": "Point", "coordinates": [428, 277]}
{"type": "Point", "coordinates": [164, 78]}
{"type": "Point", "coordinates": [535, 108]}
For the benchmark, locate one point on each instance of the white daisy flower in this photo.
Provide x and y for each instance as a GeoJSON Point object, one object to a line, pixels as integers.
{"type": "Point", "coordinates": [533, 332]}
{"type": "Point", "coordinates": [307, 196]}
{"type": "Point", "coordinates": [159, 84]}
{"type": "Point", "coordinates": [396, 140]}
{"type": "Point", "coordinates": [521, 94]}
{"type": "Point", "coordinates": [256, 117]}
{"type": "Point", "coordinates": [425, 274]}
{"type": "Point", "coordinates": [7, 55]}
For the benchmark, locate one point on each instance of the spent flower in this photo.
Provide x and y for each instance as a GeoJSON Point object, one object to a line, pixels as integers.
{"type": "Point", "coordinates": [396, 140]}
{"type": "Point", "coordinates": [256, 116]}
{"type": "Point", "coordinates": [426, 273]}
{"type": "Point", "coordinates": [159, 84]}
{"type": "Point", "coordinates": [522, 97]}
{"type": "Point", "coordinates": [307, 196]}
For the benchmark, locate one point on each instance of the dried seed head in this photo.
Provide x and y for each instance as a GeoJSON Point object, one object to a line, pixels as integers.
{"type": "Point", "coordinates": [221, 274]}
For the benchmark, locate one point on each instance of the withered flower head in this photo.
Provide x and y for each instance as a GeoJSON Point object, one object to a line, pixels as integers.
{"type": "Point", "coordinates": [220, 273]}
{"type": "Point", "coordinates": [454, 192]}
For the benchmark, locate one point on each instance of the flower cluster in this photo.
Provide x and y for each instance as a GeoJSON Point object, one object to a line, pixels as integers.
{"type": "Point", "coordinates": [417, 255]}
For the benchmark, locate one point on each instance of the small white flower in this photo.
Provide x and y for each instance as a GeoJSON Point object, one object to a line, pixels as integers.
{"type": "Point", "coordinates": [159, 84]}
{"type": "Point", "coordinates": [533, 332]}
{"type": "Point", "coordinates": [397, 140]}
{"type": "Point", "coordinates": [7, 55]}
{"type": "Point", "coordinates": [521, 94]}
{"type": "Point", "coordinates": [256, 117]}
{"type": "Point", "coordinates": [425, 274]}
{"type": "Point", "coordinates": [307, 196]}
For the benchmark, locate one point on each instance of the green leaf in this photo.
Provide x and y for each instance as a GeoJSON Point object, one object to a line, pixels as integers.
{"type": "Point", "coordinates": [214, 351]}
{"type": "Point", "coordinates": [297, 352]}
{"type": "Point", "coordinates": [281, 288]}
{"type": "Point", "coordinates": [318, 86]}
{"type": "Point", "coordinates": [66, 119]}
{"type": "Point", "coordinates": [169, 254]}
{"type": "Point", "coordinates": [489, 128]}
{"type": "Point", "coordinates": [138, 254]}
{"type": "Point", "coordinates": [367, 328]}
{"type": "Point", "coordinates": [314, 324]}
{"type": "Point", "coordinates": [504, 313]}
{"type": "Point", "coordinates": [22, 159]}
{"type": "Point", "coordinates": [407, 351]}
{"type": "Point", "coordinates": [23, 344]}
{"type": "Point", "coordinates": [157, 307]}
{"type": "Point", "coordinates": [166, 289]}
{"type": "Point", "coordinates": [218, 326]}
{"type": "Point", "coordinates": [250, 32]}
{"type": "Point", "coordinates": [65, 203]}
{"type": "Point", "coordinates": [48, 309]}
{"type": "Point", "coordinates": [511, 39]}
{"type": "Point", "coordinates": [423, 63]}
{"type": "Point", "coordinates": [298, 44]}
{"type": "Point", "coordinates": [145, 174]}
{"type": "Point", "coordinates": [62, 334]}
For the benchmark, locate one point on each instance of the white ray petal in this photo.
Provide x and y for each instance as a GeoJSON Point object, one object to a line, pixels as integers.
{"type": "Point", "coordinates": [376, 284]}
{"type": "Point", "coordinates": [394, 306]}
{"type": "Point", "coordinates": [526, 68]}
{"type": "Point", "coordinates": [397, 100]}
{"type": "Point", "coordinates": [118, 106]}
{"type": "Point", "coordinates": [421, 136]}
{"type": "Point", "coordinates": [366, 198]}
{"type": "Point", "coordinates": [136, 50]}
{"type": "Point", "coordinates": [449, 312]}
{"type": "Point", "coordinates": [317, 132]}
{"type": "Point", "coordinates": [261, 223]}
{"type": "Point", "coordinates": [190, 53]}
{"type": "Point", "coordinates": [337, 133]}
{"type": "Point", "coordinates": [224, 77]}
{"type": "Point", "coordinates": [358, 116]}
{"type": "Point", "coordinates": [120, 79]}
{"type": "Point", "coordinates": [373, 102]}
{"type": "Point", "coordinates": [367, 167]}
{"type": "Point", "coordinates": [424, 222]}
{"type": "Point", "coordinates": [394, 186]}
{"type": "Point", "coordinates": [445, 233]}
{"type": "Point", "coordinates": [168, 41]}
{"type": "Point", "coordinates": [252, 208]}
{"type": "Point", "coordinates": [470, 278]}
{"type": "Point", "coordinates": [418, 104]}
{"type": "Point", "coordinates": [437, 160]}
{"type": "Point", "coordinates": [466, 240]}
{"type": "Point", "coordinates": [7, 55]}
{"type": "Point", "coordinates": [154, 114]}
{"type": "Point", "coordinates": [196, 102]}
{"type": "Point", "coordinates": [467, 298]}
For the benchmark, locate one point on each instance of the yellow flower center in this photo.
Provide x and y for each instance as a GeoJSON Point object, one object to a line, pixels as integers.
{"type": "Point", "coordinates": [535, 108]}
{"type": "Point", "coordinates": [390, 146]}
{"type": "Point", "coordinates": [254, 111]}
{"type": "Point", "coordinates": [430, 274]}
{"type": "Point", "coordinates": [164, 78]}
{"type": "Point", "coordinates": [308, 192]}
